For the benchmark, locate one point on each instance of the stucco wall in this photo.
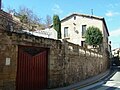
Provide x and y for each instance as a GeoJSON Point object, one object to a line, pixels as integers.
{"type": "Point", "coordinates": [105, 38]}
{"type": "Point", "coordinates": [67, 63]}
{"type": "Point", "coordinates": [74, 37]}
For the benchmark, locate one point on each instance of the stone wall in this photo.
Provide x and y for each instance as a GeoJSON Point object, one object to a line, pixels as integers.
{"type": "Point", "coordinates": [71, 63]}
{"type": "Point", "coordinates": [67, 63]}
{"type": "Point", "coordinates": [7, 72]}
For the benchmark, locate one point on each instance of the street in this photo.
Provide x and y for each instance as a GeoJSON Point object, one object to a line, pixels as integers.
{"type": "Point", "coordinates": [110, 83]}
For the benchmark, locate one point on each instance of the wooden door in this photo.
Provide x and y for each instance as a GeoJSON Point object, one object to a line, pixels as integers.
{"type": "Point", "coordinates": [31, 68]}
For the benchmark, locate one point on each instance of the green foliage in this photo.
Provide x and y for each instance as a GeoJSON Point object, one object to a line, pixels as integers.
{"type": "Point", "coordinates": [93, 36]}
{"type": "Point", "coordinates": [57, 25]}
{"type": "Point", "coordinates": [23, 18]}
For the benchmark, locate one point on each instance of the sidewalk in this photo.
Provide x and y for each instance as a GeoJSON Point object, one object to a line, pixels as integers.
{"type": "Point", "coordinates": [88, 81]}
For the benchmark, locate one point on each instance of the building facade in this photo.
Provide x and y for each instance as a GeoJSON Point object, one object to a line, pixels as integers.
{"type": "Point", "coordinates": [74, 26]}
{"type": "Point", "coordinates": [116, 52]}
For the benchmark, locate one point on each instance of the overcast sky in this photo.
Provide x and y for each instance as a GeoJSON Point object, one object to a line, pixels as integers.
{"type": "Point", "coordinates": [109, 9]}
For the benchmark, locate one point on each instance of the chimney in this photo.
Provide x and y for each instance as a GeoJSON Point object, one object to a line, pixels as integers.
{"type": "Point", "coordinates": [0, 4]}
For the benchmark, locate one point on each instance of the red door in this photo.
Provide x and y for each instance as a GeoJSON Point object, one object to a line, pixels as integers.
{"type": "Point", "coordinates": [32, 68]}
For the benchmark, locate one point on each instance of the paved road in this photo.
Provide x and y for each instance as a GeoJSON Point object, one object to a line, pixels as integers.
{"type": "Point", "coordinates": [112, 83]}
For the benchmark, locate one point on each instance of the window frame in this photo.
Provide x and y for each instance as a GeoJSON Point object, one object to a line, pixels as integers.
{"type": "Point", "coordinates": [84, 28]}
{"type": "Point", "coordinates": [66, 32]}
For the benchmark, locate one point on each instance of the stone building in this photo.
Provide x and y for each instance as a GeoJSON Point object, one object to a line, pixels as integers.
{"type": "Point", "coordinates": [116, 52]}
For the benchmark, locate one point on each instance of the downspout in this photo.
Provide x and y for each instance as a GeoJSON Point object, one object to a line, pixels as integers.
{"type": "Point", "coordinates": [0, 4]}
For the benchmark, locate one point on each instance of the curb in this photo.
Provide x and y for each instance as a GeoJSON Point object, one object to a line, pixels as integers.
{"type": "Point", "coordinates": [93, 82]}
{"type": "Point", "coordinates": [110, 75]}
{"type": "Point", "coordinates": [87, 82]}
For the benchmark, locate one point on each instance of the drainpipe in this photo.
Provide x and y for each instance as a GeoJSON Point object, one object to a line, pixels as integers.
{"type": "Point", "coordinates": [0, 4]}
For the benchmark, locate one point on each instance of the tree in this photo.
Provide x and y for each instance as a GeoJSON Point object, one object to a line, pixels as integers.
{"type": "Point", "coordinates": [36, 20]}
{"type": "Point", "coordinates": [23, 18]}
{"type": "Point", "coordinates": [93, 36]}
{"type": "Point", "coordinates": [48, 21]}
{"type": "Point", "coordinates": [57, 25]}
{"type": "Point", "coordinates": [32, 18]}
{"type": "Point", "coordinates": [10, 10]}
{"type": "Point", "coordinates": [27, 17]}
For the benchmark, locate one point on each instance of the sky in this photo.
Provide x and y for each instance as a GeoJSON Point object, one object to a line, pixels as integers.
{"type": "Point", "coordinates": [109, 9]}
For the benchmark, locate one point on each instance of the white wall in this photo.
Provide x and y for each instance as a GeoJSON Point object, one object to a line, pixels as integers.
{"type": "Point", "coordinates": [105, 38]}
{"type": "Point", "coordinates": [77, 37]}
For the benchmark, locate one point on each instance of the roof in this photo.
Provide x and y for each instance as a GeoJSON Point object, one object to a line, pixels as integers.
{"type": "Point", "coordinates": [7, 16]}
{"type": "Point", "coordinates": [88, 16]}
{"type": "Point", "coordinates": [83, 15]}
{"type": "Point", "coordinates": [116, 49]}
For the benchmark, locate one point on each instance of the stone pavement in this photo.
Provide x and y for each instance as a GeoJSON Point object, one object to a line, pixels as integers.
{"type": "Point", "coordinates": [88, 81]}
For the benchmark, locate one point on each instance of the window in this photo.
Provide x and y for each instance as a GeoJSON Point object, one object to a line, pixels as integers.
{"type": "Point", "coordinates": [74, 17]}
{"type": "Point", "coordinates": [65, 31]}
{"type": "Point", "coordinates": [83, 44]}
{"type": "Point", "coordinates": [83, 30]}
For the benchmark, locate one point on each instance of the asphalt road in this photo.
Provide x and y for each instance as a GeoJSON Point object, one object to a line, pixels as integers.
{"type": "Point", "coordinates": [111, 83]}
